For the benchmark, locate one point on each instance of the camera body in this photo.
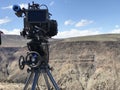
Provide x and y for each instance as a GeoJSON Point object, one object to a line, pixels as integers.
{"type": "Point", "coordinates": [37, 22]}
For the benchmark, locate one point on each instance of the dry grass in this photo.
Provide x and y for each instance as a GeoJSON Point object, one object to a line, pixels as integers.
{"type": "Point", "coordinates": [103, 37]}
{"type": "Point", "coordinates": [11, 86]}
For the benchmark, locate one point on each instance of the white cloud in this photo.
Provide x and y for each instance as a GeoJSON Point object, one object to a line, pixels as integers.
{"type": "Point", "coordinates": [4, 20]}
{"type": "Point", "coordinates": [69, 22]}
{"type": "Point", "coordinates": [115, 30]}
{"type": "Point", "coordinates": [75, 33]}
{"type": "Point", "coordinates": [24, 5]}
{"type": "Point", "coordinates": [52, 3]}
{"type": "Point", "coordinates": [21, 5]}
{"type": "Point", "coordinates": [83, 22]}
{"type": "Point", "coordinates": [117, 26]}
{"type": "Point", "coordinates": [8, 7]}
{"type": "Point", "coordinates": [14, 31]}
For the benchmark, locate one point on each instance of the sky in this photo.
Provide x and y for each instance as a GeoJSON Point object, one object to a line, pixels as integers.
{"type": "Point", "coordinates": [74, 17]}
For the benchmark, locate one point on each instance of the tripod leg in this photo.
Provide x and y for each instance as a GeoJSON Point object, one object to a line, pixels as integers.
{"type": "Point", "coordinates": [52, 80]}
{"type": "Point", "coordinates": [36, 77]}
{"type": "Point", "coordinates": [28, 80]}
{"type": "Point", "coordinates": [46, 80]}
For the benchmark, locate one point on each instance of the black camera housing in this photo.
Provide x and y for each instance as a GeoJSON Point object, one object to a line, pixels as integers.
{"type": "Point", "coordinates": [37, 22]}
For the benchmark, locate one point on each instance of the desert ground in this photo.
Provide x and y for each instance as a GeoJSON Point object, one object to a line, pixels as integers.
{"type": "Point", "coordinates": [79, 63]}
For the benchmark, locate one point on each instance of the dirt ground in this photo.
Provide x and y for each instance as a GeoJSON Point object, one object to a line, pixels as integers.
{"type": "Point", "coordinates": [11, 86]}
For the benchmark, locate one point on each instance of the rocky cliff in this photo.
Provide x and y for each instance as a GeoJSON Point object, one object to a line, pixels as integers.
{"type": "Point", "coordinates": [77, 64]}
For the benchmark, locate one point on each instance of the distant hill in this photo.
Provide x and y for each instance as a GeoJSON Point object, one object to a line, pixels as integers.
{"type": "Point", "coordinates": [13, 41]}
{"type": "Point", "coordinates": [16, 41]}
{"type": "Point", "coordinates": [19, 41]}
{"type": "Point", "coordinates": [101, 37]}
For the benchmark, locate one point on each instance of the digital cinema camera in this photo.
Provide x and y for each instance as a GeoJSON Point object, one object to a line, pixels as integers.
{"type": "Point", "coordinates": [37, 22]}
{"type": "Point", "coordinates": [39, 28]}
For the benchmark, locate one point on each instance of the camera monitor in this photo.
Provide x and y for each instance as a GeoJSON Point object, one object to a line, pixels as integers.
{"type": "Point", "coordinates": [37, 16]}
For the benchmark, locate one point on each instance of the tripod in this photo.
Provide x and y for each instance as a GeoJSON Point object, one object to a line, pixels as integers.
{"type": "Point", "coordinates": [45, 70]}
{"type": "Point", "coordinates": [38, 63]}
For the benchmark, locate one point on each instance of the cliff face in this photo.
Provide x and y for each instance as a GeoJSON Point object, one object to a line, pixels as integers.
{"type": "Point", "coordinates": [78, 65]}
{"type": "Point", "coordinates": [88, 65]}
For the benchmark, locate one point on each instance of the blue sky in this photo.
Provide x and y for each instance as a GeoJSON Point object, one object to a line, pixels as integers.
{"type": "Point", "coordinates": [74, 17]}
